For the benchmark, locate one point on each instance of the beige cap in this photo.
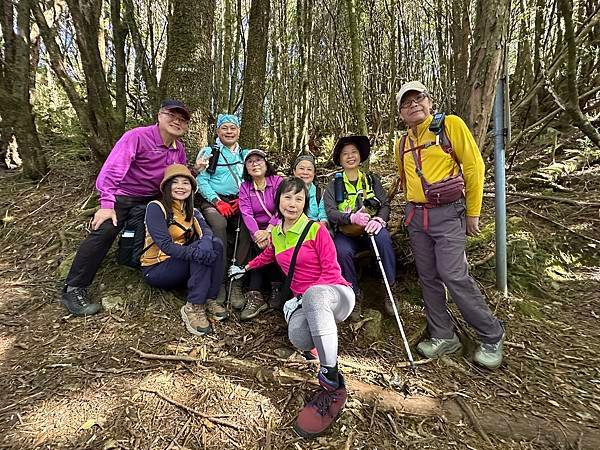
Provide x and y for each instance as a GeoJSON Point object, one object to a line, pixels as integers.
{"type": "Point", "coordinates": [407, 87]}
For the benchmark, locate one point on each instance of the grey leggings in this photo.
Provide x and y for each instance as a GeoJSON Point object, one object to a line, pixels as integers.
{"type": "Point", "coordinates": [314, 325]}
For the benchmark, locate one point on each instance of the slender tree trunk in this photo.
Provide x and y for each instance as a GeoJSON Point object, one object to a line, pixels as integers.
{"type": "Point", "coordinates": [487, 53]}
{"type": "Point", "coordinates": [188, 68]}
{"type": "Point", "coordinates": [223, 103]}
{"type": "Point", "coordinates": [357, 76]}
{"type": "Point", "coordinates": [571, 102]}
{"type": "Point", "coordinates": [15, 84]}
{"type": "Point", "coordinates": [120, 31]}
{"type": "Point", "coordinates": [255, 73]}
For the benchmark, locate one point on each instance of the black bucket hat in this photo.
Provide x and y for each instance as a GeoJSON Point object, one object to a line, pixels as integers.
{"type": "Point", "coordinates": [361, 142]}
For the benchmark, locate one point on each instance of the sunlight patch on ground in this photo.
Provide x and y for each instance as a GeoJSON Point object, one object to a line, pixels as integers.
{"type": "Point", "coordinates": [79, 417]}
{"type": "Point", "coordinates": [6, 344]}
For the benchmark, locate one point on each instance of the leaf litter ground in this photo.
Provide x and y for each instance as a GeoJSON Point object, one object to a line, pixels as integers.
{"type": "Point", "coordinates": [71, 382]}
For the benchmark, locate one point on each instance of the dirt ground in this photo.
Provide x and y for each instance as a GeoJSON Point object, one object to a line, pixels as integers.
{"type": "Point", "coordinates": [70, 382]}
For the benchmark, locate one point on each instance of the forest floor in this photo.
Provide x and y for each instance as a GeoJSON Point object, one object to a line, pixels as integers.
{"type": "Point", "coordinates": [69, 382]}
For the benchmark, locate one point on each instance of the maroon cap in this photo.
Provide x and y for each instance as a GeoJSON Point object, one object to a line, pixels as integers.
{"type": "Point", "coordinates": [175, 105]}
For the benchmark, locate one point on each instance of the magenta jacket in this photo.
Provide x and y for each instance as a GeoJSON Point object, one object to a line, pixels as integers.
{"type": "Point", "coordinates": [254, 215]}
{"type": "Point", "coordinates": [136, 165]}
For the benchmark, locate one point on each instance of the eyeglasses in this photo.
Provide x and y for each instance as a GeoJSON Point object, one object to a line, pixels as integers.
{"type": "Point", "coordinates": [416, 99]}
{"type": "Point", "coordinates": [175, 117]}
{"type": "Point", "coordinates": [255, 162]}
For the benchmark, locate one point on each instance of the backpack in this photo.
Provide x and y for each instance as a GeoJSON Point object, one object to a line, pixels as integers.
{"type": "Point", "coordinates": [131, 242]}
{"type": "Point", "coordinates": [133, 236]}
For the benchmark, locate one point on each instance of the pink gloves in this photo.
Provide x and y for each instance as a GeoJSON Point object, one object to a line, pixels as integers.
{"type": "Point", "coordinates": [359, 218]}
{"type": "Point", "coordinates": [375, 225]}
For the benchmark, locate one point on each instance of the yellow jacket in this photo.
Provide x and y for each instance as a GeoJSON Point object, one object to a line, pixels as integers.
{"type": "Point", "coordinates": [437, 163]}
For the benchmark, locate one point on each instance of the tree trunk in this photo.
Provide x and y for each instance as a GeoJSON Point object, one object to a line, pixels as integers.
{"type": "Point", "coordinates": [120, 31]}
{"type": "Point", "coordinates": [187, 70]}
{"type": "Point", "coordinates": [255, 73]}
{"type": "Point", "coordinates": [571, 102]}
{"type": "Point", "coordinates": [357, 75]}
{"type": "Point", "coordinates": [96, 114]}
{"type": "Point", "coordinates": [223, 103]}
{"type": "Point", "coordinates": [487, 54]}
{"type": "Point", "coordinates": [15, 84]}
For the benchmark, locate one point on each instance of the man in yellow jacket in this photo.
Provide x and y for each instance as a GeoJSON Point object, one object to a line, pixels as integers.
{"type": "Point", "coordinates": [442, 174]}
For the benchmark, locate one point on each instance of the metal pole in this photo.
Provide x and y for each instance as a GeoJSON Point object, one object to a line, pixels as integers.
{"type": "Point", "coordinates": [391, 297]}
{"type": "Point", "coordinates": [500, 188]}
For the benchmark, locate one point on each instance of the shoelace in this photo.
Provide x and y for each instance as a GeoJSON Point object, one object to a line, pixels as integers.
{"type": "Point", "coordinates": [80, 296]}
{"type": "Point", "coordinates": [324, 402]}
{"type": "Point", "coordinates": [254, 302]}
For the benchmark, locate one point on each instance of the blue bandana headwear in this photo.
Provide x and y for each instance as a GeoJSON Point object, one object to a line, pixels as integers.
{"type": "Point", "coordinates": [228, 118]}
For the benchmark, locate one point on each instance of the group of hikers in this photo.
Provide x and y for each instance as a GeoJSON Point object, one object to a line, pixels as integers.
{"type": "Point", "coordinates": [291, 242]}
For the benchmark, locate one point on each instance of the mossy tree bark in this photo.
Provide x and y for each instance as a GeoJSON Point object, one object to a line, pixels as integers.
{"type": "Point", "coordinates": [95, 110]}
{"type": "Point", "coordinates": [570, 100]}
{"type": "Point", "coordinates": [188, 69]}
{"type": "Point", "coordinates": [255, 73]}
{"type": "Point", "coordinates": [487, 54]}
{"type": "Point", "coordinates": [15, 84]}
{"type": "Point", "coordinates": [357, 75]}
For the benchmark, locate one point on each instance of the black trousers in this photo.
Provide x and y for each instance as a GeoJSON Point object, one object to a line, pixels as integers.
{"type": "Point", "coordinates": [96, 245]}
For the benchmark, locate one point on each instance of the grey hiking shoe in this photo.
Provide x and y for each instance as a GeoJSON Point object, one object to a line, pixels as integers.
{"type": "Point", "coordinates": [357, 310]}
{"type": "Point", "coordinates": [255, 304]}
{"type": "Point", "coordinates": [216, 311]}
{"type": "Point", "coordinates": [436, 348]}
{"type": "Point", "coordinates": [490, 355]}
{"type": "Point", "coordinates": [237, 299]}
{"type": "Point", "coordinates": [222, 296]}
{"type": "Point", "coordinates": [194, 319]}
{"type": "Point", "coordinates": [77, 302]}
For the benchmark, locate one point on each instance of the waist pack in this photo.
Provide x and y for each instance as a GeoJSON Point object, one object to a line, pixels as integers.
{"type": "Point", "coordinates": [131, 241]}
{"type": "Point", "coordinates": [445, 191]}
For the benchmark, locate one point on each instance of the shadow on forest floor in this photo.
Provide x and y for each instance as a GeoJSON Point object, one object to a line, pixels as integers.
{"type": "Point", "coordinates": [74, 382]}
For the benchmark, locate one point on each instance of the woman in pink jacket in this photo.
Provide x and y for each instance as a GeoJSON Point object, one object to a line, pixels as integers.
{"type": "Point", "coordinates": [322, 298]}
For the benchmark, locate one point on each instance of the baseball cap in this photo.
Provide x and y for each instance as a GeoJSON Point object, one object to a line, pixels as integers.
{"type": "Point", "coordinates": [176, 105]}
{"type": "Point", "coordinates": [407, 87]}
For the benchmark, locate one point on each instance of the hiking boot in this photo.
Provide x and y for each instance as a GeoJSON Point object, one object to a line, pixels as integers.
{"type": "Point", "coordinates": [237, 299]}
{"type": "Point", "coordinates": [490, 355]}
{"type": "Point", "coordinates": [357, 310]}
{"type": "Point", "coordinates": [77, 302]}
{"type": "Point", "coordinates": [216, 311]}
{"type": "Point", "coordinates": [255, 304]}
{"type": "Point", "coordinates": [274, 300]}
{"type": "Point", "coordinates": [436, 348]}
{"type": "Point", "coordinates": [222, 297]}
{"type": "Point", "coordinates": [194, 318]}
{"type": "Point", "coordinates": [322, 410]}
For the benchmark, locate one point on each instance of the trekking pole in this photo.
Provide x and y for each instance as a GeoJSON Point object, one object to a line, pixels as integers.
{"type": "Point", "coordinates": [389, 292]}
{"type": "Point", "coordinates": [233, 257]}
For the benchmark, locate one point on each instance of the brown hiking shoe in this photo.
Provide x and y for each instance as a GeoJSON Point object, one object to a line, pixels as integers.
{"type": "Point", "coordinates": [357, 311]}
{"type": "Point", "coordinates": [194, 318]}
{"type": "Point", "coordinates": [237, 299]}
{"type": "Point", "coordinates": [388, 302]}
{"type": "Point", "coordinates": [216, 311]}
{"type": "Point", "coordinates": [255, 304]}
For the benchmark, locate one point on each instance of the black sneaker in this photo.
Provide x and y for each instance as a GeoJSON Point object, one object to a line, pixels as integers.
{"type": "Point", "coordinates": [77, 302]}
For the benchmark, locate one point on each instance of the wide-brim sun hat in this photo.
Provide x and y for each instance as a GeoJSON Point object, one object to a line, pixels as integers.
{"type": "Point", "coordinates": [360, 141]}
{"type": "Point", "coordinates": [178, 170]}
{"type": "Point", "coordinates": [255, 151]}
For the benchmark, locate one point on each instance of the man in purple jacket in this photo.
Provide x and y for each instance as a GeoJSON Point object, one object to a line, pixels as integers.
{"type": "Point", "coordinates": [130, 176]}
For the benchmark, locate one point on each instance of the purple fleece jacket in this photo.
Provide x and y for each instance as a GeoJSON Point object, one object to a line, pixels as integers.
{"type": "Point", "coordinates": [136, 165]}
{"type": "Point", "coordinates": [254, 215]}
